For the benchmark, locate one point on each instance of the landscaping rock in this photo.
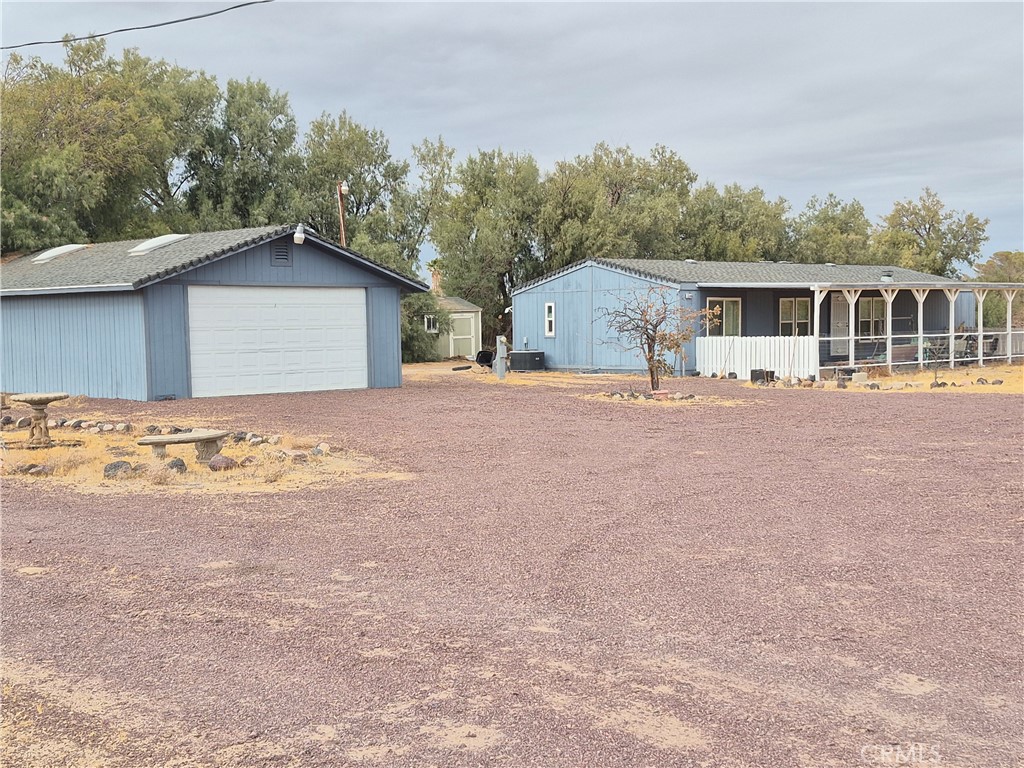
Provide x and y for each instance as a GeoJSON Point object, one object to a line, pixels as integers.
{"type": "Point", "coordinates": [108, 428]}
{"type": "Point", "coordinates": [177, 465]}
{"type": "Point", "coordinates": [7, 420]}
{"type": "Point", "coordinates": [23, 422]}
{"type": "Point", "coordinates": [123, 427]}
{"type": "Point", "coordinates": [151, 429]}
{"type": "Point", "coordinates": [274, 439]}
{"type": "Point", "coordinates": [678, 396]}
{"type": "Point", "coordinates": [87, 424]}
{"type": "Point", "coordinates": [175, 430]}
{"type": "Point", "coordinates": [324, 447]}
{"type": "Point", "coordinates": [690, 396]}
{"type": "Point", "coordinates": [24, 469]}
{"type": "Point", "coordinates": [297, 457]}
{"type": "Point", "coordinates": [873, 385]}
{"type": "Point", "coordinates": [51, 423]}
{"type": "Point", "coordinates": [819, 384]}
{"type": "Point", "coordinates": [238, 437]}
{"type": "Point", "coordinates": [840, 383]}
{"type": "Point", "coordinates": [116, 468]}
{"type": "Point", "coordinates": [94, 430]}
{"type": "Point", "coordinates": [982, 381]}
{"type": "Point", "coordinates": [255, 440]}
{"type": "Point", "coordinates": [42, 470]}
{"type": "Point", "coordinates": [248, 461]}
{"type": "Point", "coordinates": [731, 375]}
{"type": "Point", "coordinates": [76, 424]}
{"type": "Point", "coordinates": [807, 384]}
{"type": "Point", "coordinates": [996, 382]}
{"type": "Point", "coordinates": [221, 463]}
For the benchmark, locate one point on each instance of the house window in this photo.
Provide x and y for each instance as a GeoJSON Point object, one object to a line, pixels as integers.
{"type": "Point", "coordinates": [794, 317]}
{"type": "Point", "coordinates": [430, 323]}
{"type": "Point", "coordinates": [549, 319]}
{"type": "Point", "coordinates": [871, 318]}
{"type": "Point", "coordinates": [728, 317]}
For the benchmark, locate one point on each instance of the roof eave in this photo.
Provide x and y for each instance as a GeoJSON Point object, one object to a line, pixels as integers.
{"type": "Point", "coordinates": [101, 288]}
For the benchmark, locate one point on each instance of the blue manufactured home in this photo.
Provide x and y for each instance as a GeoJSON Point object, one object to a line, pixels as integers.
{"type": "Point", "coordinates": [794, 319]}
{"type": "Point", "coordinates": [271, 309]}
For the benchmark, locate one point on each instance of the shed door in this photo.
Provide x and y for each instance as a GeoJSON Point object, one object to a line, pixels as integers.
{"type": "Point", "coordinates": [246, 340]}
{"type": "Point", "coordinates": [463, 337]}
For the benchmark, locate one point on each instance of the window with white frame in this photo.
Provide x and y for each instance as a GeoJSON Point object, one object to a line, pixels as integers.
{"type": "Point", "coordinates": [795, 317]}
{"type": "Point", "coordinates": [728, 317]}
{"type": "Point", "coordinates": [430, 323]}
{"type": "Point", "coordinates": [871, 318]}
{"type": "Point", "coordinates": [549, 319]}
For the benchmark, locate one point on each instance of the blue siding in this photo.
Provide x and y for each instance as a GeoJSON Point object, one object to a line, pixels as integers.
{"type": "Point", "coordinates": [582, 339]}
{"type": "Point", "coordinates": [309, 266]}
{"type": "Point", "coordinates": [84, 344]}
{"type": "Point", "coordinates": [384, 329]}
{"type": "Point", "coordinates": [167, 340]}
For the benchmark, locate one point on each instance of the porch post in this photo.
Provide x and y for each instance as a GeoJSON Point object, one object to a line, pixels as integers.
{"type": "Point", "coordinates": [920, 294]}
{"type": "Point", "coordinates": [852, 294]}
{"type": "Point", "coordinates": [819, 296]}
{"type": "Point", "coordinates": [1009, 294]}
{"type": "Point", "coordinates": [888, 294]}
{"type": "Point", "coordinates": [981, 293]}
{"type": "Point", "coordinates": [951, 294]}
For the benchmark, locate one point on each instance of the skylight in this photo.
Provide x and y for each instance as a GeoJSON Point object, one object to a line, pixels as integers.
{"type": "Point", "coordinates": [53, 253]}
{"type": "Point", "coordinates": [153, 243]}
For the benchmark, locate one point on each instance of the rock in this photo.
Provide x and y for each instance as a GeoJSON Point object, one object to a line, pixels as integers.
{"type": "Point", "coordinates": [819, 384]}
{"type": "Point", "coordinates": [274, 439]}
{"type": "Point", "coordinates": [87, 424]}
{"type": "Point", "coordinates": [996, 382]}
{"type": "Point", "coordinates": [175, 430]}
{"type": "Point", "coordinates": [221, 463]}
{"type": "Point", "coordinates": [255, 440]}
{"type": "Point", "coordinates": [151, 429]}
{"type": "Point", "coordinates": [166, 430]}
{"type": "Point", "coordinates": [76, 424]}
{"type": "Point", "coordinates": [238, 437]}
{"type": "Point", "coordinates": [714, 375]}
{"type": "Point", "coordinates": [807, 384]}
{"type": "Point", "coordinates": [177, 465]}
{"type": "Point", "coordinates": [616, 395]}
{"type": "Point", "coordinates": [316, 452]}
{"type": "Point", "coordinates": [248, 461]}
{"type": "Point", "coordinates": [51, 423]}
{"type": "Point", "coordinates": [953, 384]}
{"type": "Point", "coordinates": [123, 427]}
{"type": "Point", "coordinates": [297, 457]}
{"type": "Point", "coordinates": [94, 430]}
{"type": "Point", "coordinates": [324, 447]}
{"type": "Point", "coordinates": [731, 375]}
{"type": "Point", "coordinates": [23, 422]}
{"type": "Point", "coordinates": [116, 468]}
{"type": "Point", "coordinates": [873, 385]}
{"type": "Point", "coordinates": [7, 420]}
{"type": "Point", "coordinates": [840, 383]}
{"type": "Point", "coordinates": [982, 381]}
{"type": "Point", "coordinates": [108, 427]}
{"type": "Point", "coordinates": [24, 469]}
{"type": "Point", "coordinates": [690, 396]}
{"type": "Point", "coordinates": [139, 469]}
{"type": "Point", "coordinates": [678, 396]}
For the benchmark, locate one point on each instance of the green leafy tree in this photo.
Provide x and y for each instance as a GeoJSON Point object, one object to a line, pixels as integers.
{"type": "Point", "coordinates": [1002, 267]}
{"type": "Point", "coordinates": [485, 232]}
{"type": "Point", "coordinates": [735, 224]}
{"type": "Point", "coordinates": [245, 169]}
{"type": "Point", "coordinates": [419, 345]}
{"type": "Point", "coordinates": [925, 236]}
{"type": "Point", "coordinates": [830, 230]}
{"type": "Point", "coordinates": [614, 204]}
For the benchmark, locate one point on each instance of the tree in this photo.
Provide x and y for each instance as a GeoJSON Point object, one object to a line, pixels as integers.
{"type": "Point", "coordinates": [1002, 267]}
{"type": "Point", "coordinates": [830, 230]}
{"type": "Point", "coordinates": [485, 232]}
{"type": "Point", "coordinates": [419, 345]}
{"type": "Point", "coordinates": [923, 235]}
{"type": "Point", "coordinates": [735, 224]}
{"type": "Point", "coordinates": [654, 323]}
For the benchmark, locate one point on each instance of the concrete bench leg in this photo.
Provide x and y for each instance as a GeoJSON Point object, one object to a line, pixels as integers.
{"type": "Point", "coordinates": [207, 449]}
{"type": "Point", "coordinates": [160, 451]}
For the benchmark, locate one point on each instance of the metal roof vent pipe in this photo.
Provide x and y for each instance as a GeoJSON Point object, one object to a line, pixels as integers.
{"type": "Point", "coordinates": [886, 275]}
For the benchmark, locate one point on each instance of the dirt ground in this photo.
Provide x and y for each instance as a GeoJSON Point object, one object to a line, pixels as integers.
{"type": "Point", "coordinates": [534, 577]}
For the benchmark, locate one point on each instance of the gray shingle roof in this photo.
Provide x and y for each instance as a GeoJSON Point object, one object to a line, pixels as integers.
{"type": "Point", "coordinates": [712, 273]}
{"type": "Point", "coordinates": [108, 265]}
{"type": "Point", "coordinates": [455, 304]}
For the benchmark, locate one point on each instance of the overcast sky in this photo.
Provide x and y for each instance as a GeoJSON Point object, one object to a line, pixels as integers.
{"type": "Point", "coordinates": [869, 101]}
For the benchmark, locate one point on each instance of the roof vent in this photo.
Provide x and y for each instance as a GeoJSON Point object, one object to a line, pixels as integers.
{"type": "Point", "coordinates": [53, 253]}
{"type": "Point", "coordinates": [830, 263]}
{"type": "Point", "coordinates": [153, 243]}
{"type": "Point", "coordinates": [886, 275]}
{"type": "Point", "coordinates": [690, 261]}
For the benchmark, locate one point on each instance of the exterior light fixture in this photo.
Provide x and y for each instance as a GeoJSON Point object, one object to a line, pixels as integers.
{"type": "Point", "coordinates": [300, 235]}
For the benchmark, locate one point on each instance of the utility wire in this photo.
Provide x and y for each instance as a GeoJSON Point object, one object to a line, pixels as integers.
{"type": "Point", "coordinates": [134, 29]}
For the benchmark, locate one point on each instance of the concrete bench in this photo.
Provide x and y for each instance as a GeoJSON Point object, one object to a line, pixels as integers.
{"type": "Point", "coordinates": [207, 441]}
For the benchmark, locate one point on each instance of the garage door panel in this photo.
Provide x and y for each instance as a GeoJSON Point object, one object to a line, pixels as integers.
{"type": "Point", "coordinates": [247, 340]}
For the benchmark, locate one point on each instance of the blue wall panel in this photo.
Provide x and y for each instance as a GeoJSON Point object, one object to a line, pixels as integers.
{"type": "Point", "coordinates": [84, 344]}
{"type": "Point", "coordinates": [167, 340]}
{"type": "Point", "coordinates": [384, 328]}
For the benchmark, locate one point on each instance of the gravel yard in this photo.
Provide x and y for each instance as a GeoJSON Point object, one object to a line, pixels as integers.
{"type": "Point", "coordinates": [791, 578]}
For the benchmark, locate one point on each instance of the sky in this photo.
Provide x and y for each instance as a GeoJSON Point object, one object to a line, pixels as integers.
{"type": "Point", "coordinates": [869, 101]}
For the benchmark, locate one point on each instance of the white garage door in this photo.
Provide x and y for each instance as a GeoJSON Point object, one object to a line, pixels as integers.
{"type": "Point", "coordinates": [246, 341]}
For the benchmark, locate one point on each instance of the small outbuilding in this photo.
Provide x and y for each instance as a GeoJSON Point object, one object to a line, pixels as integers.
{"type": "Point", "coordinates": [794, 319]}
{"type": "Point", "coordinates": [248, 311]}
{"type": "Point", "coordinates": [464, 338]}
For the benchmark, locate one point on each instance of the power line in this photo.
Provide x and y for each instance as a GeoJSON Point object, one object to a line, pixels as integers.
{"type": "Point", "coordinates": [134, 29]}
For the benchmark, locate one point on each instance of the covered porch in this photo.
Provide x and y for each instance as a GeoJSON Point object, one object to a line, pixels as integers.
{"type": "Point", "coordinates": [840, 327]}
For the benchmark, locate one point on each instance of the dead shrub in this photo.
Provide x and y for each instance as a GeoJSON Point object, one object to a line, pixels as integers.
{"type": "Point", "coordinates": [302, 443]}
{"type": "Point", "coordinates": [273, 473]}
{"type": "Point", "coordinates": [66, 462]}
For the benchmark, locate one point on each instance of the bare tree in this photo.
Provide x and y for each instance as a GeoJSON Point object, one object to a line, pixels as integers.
{"type": "Point", "coordinates": [654, 323]}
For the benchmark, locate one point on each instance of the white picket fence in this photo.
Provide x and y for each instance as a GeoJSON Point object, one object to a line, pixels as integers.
{"type": "Point", "coordinates": [786, 355]}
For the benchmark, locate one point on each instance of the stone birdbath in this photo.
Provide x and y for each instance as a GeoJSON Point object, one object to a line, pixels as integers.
{"type": "Point", "coordinates": [38, 434]}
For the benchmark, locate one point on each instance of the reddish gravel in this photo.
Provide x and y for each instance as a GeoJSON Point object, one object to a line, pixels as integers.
{"type": "Point", "coordinates": [808, 579]}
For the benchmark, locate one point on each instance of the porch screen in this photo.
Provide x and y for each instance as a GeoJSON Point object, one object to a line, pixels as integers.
{"type": "Point", "coordinates": [728, 317]}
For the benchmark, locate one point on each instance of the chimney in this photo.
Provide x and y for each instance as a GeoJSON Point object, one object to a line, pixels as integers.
{"type": "Point", "coordinates": [435, 283]}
